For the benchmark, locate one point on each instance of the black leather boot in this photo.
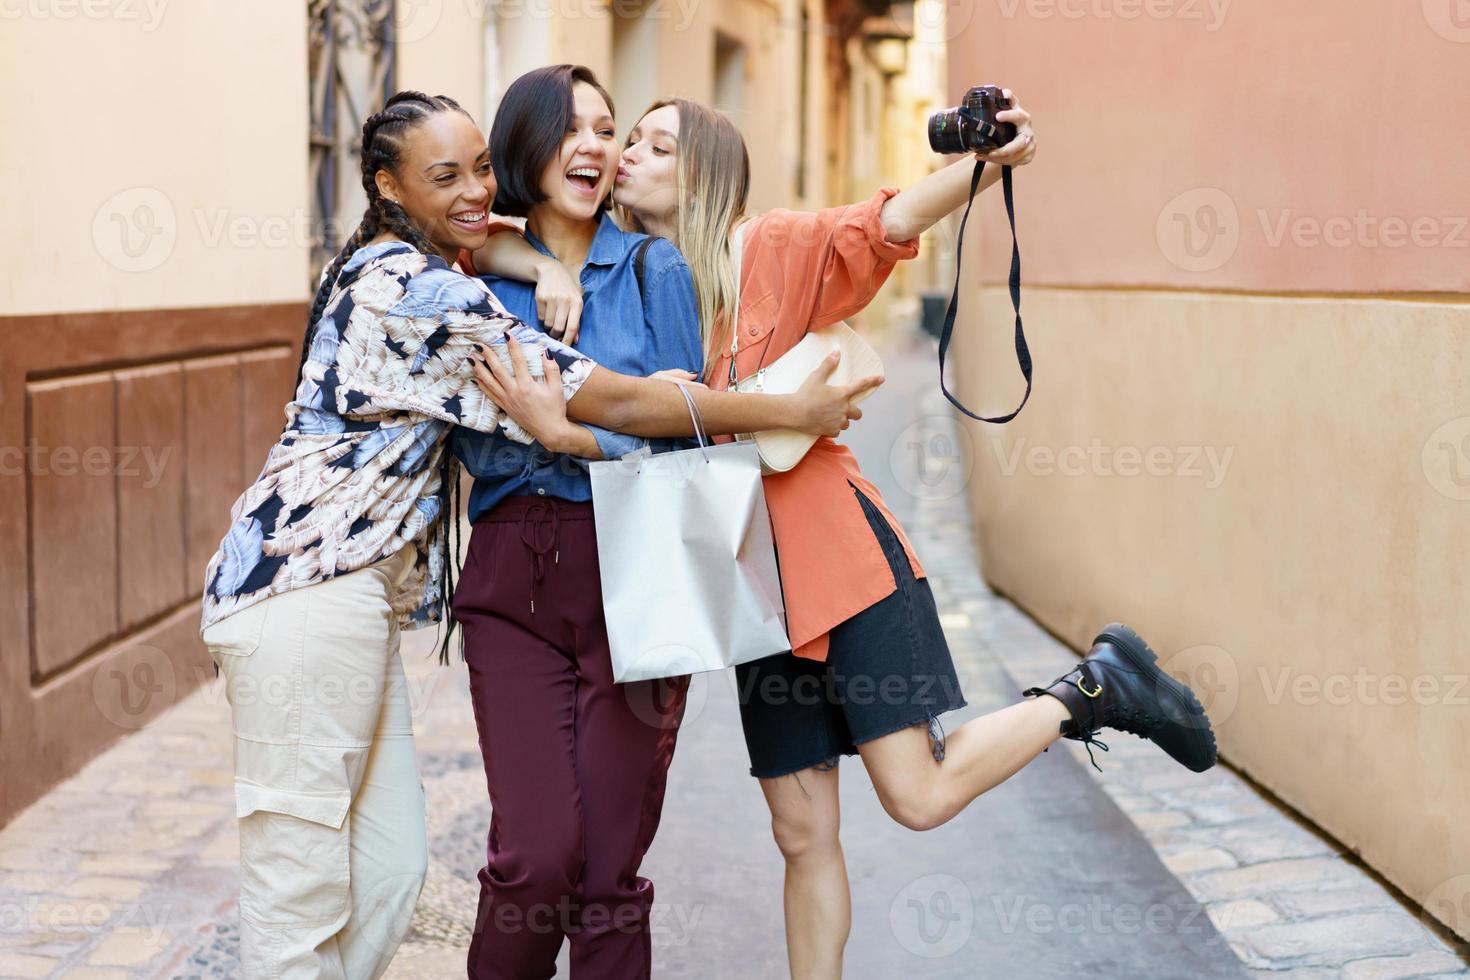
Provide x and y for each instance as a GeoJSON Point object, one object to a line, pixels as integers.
{"type": "Point", "coordinates": [1119, 685]}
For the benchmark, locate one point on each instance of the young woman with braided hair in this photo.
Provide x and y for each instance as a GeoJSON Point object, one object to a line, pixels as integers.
{"type": "Point", "coordinates": [340, 543]}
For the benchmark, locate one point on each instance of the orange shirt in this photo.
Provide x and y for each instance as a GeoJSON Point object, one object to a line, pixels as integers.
{"type": "Point", "coordinates": [799, 272]}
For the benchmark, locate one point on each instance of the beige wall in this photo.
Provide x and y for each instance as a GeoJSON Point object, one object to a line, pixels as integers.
{"type": "Point", "coordinates": [1233, 444]}
{"type": "Point", "coordinates": [156, 136]}
{"type": "Point", "coordinates": [768, 117]}
{"type": "Point", "coordinates": [441, 51]}
{"type": "Point", "coordinates": [157, 201]}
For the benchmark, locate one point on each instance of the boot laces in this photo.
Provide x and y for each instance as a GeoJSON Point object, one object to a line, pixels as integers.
{"type": "Point", "coordinates": [1132, 719]}
{"type": "Point", "coordinates": [1074, 677]}
{"type": "Point", "coordinates": [1088, 741]}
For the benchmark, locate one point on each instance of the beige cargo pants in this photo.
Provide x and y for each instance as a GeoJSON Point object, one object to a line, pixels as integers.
{"type": "Point", "coordinates": [327, 790]}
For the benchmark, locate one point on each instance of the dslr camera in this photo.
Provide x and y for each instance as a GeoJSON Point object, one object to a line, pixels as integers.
{"type": "Point", "coordinates": [970, 126]}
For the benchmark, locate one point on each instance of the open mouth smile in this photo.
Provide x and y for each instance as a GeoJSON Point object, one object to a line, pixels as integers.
{"type": "Point", "coordinates": [585, 180]}
{"type": "Point", "coordinates": [471, 220]}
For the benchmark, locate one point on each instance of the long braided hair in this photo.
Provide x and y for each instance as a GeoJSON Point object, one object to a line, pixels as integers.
{"type": "Point", "coordinates": [384, 138]}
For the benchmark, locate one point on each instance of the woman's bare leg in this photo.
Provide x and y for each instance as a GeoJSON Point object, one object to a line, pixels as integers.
{"type": "Point", "coordinates": [921, 793]}
{"type": "Point", "coordinates": [805, 818]}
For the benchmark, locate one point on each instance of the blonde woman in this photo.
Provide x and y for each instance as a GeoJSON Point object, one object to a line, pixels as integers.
{"type": "Point", "coordinates": [870, 669]}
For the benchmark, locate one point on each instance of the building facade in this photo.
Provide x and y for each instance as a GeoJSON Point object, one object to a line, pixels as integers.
{"type": "Point", "coordinates": [170, 196]}
{"type": "Point", "coordinates": [1246, 266]}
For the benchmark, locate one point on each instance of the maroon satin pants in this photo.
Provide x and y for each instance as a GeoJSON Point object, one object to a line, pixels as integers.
{"type": "Point", "coordinates": [575, 764]}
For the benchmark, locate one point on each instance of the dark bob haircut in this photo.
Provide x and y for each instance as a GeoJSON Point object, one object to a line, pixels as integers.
{"type": "Point", "coordinates": [530, 125]}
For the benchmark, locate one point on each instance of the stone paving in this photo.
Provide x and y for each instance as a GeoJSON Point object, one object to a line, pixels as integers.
{"type": "Point", "coordinates": [129, 868]}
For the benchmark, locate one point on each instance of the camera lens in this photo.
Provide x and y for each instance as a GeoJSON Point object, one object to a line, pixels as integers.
{"type": "Point", "coordinates": [944, 132]}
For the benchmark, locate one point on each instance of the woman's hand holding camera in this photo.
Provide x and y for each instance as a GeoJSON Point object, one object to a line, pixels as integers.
{"type": "Point", "coordinates": [1019, 151]}
{"type": "Point", "coordinates": [973, 124]}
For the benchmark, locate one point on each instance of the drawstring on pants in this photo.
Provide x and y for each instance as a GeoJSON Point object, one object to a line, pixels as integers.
{"type": "Point", "coordinates": [531, 523]}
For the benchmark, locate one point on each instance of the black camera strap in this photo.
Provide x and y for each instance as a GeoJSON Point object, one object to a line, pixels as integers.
{"type": "Point", "coordinates": [1023, 353]}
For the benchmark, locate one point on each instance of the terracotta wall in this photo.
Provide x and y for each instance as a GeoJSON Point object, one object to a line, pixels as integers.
{"type": "Point", "coordinates": [1246, 259]}
{"type": "Point", "coordinates": [150, 317]}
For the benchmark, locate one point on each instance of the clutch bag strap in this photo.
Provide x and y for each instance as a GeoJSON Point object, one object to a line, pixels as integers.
{"type": "Point", "coordinates": [737, 254]}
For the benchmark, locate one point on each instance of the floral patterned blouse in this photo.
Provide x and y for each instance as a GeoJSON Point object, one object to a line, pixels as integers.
{"type": "Point", "coordinates": [356, 475]}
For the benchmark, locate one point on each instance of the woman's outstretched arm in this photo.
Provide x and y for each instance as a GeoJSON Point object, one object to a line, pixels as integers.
{"type": "Point", "coordinates": [913, 210]}
{"type": "Point", "coordinates": [651, 407]}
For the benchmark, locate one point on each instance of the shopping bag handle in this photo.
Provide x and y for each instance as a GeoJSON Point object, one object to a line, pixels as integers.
{"type": "Point", "coordinates": [694, 417]}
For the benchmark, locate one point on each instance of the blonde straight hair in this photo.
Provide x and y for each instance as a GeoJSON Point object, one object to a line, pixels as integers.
{"type": "Point", "coordinates": [712, 180]}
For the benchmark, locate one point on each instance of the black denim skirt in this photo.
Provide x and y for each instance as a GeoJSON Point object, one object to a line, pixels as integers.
{"type": "Point", "coordinates": [887, 668]}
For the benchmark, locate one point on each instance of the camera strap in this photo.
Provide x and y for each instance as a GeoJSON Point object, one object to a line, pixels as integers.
{"type": "Point", "coordinates": [1023, 353]}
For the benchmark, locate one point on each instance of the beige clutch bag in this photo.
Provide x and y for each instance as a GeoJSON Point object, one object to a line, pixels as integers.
{"type": "Point", "coordinates": [781, 449]}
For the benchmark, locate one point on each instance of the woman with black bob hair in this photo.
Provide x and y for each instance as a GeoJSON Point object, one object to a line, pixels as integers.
{"type": "Point", "coordinates": [340, 543]}
{"type": "Point", "coordinates": [575, 764]}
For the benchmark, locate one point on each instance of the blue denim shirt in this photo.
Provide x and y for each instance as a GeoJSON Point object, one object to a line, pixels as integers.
{"type": "Point", "coordinates": [622, 332]}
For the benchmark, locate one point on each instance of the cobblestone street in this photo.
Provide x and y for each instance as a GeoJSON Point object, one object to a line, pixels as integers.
{"type": "Point", "coordinates": [129, 869]}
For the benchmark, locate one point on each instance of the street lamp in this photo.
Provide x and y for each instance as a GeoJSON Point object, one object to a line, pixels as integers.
{"type": "Point", "coordinates": [887, 43]}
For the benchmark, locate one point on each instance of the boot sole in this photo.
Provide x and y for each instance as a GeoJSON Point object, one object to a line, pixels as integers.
{"type": "Point", "coordinates": [1126, 639]}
